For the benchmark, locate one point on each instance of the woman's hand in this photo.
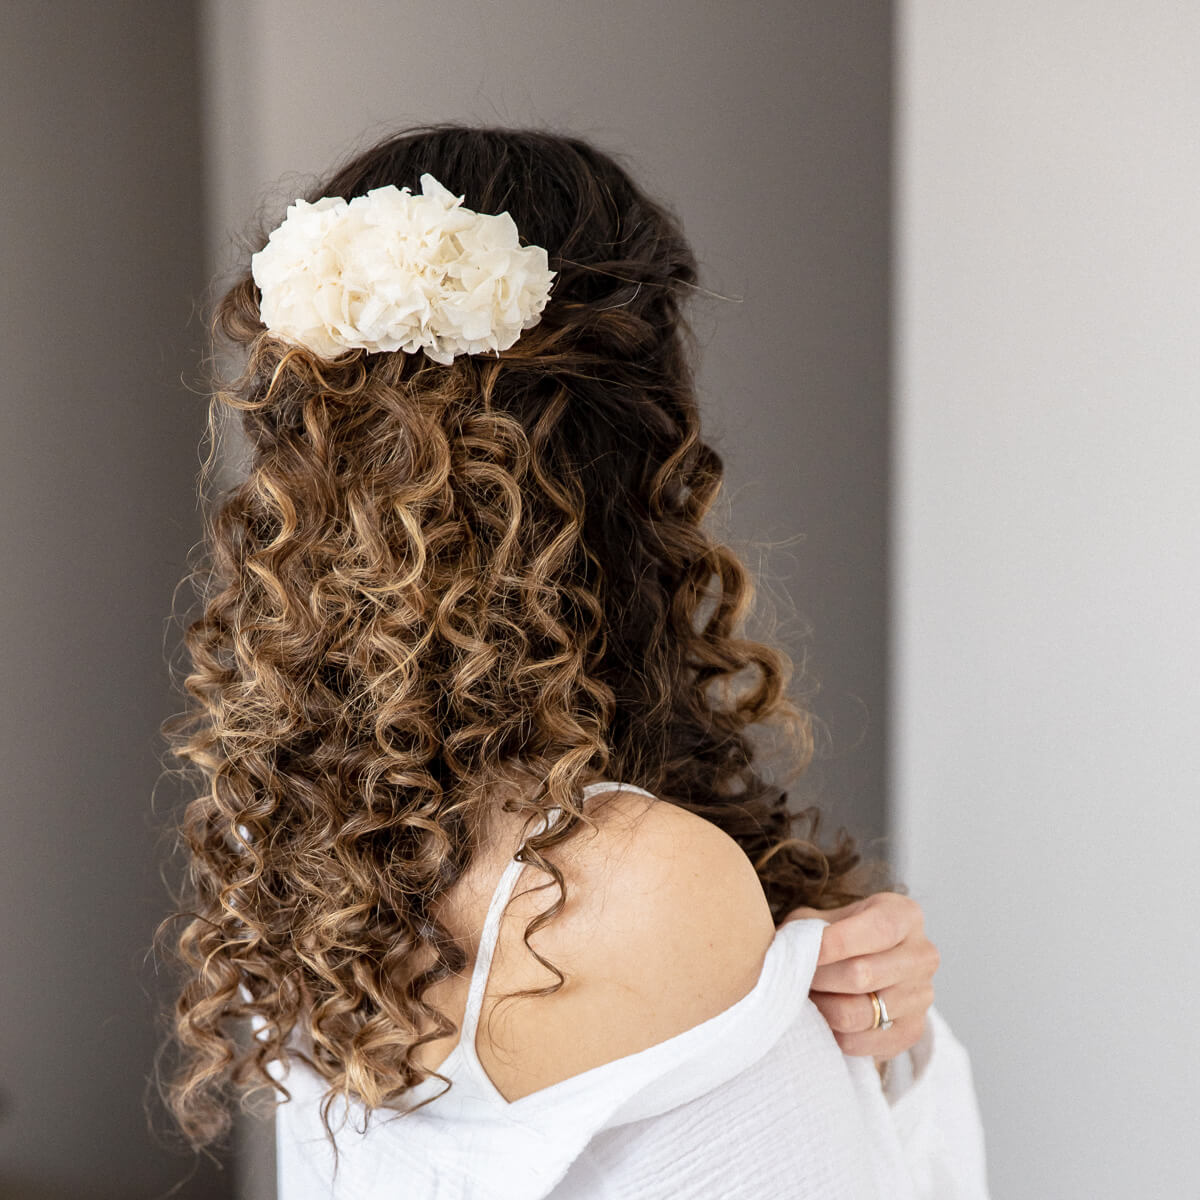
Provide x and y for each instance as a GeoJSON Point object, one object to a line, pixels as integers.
{"type": "Point", "coordinates": [873, 945]}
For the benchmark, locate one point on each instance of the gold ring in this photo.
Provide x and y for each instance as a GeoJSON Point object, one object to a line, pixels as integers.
{"type": "Point", "coordinates": [878, 1011]}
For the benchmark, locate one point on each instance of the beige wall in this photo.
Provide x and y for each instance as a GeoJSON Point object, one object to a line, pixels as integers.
{"type": "Point", "coordinates": [1047, 569]}
{"type": "Point", "coordinates": [99, 120]}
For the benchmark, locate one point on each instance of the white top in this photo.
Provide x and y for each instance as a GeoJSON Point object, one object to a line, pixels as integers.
{"type": "Point", "coordinates": [758, 1101]}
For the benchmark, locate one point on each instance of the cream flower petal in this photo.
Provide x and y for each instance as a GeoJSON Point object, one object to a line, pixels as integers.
{"type": "Point", "coordinates": [390, 270]}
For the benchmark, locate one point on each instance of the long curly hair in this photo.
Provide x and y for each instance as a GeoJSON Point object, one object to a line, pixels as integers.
{"type": "Point", "coordinates": [430, 574]}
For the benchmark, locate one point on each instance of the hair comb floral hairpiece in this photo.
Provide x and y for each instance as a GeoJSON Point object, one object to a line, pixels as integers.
{"type": "Point", "coordinates": [391, 270]}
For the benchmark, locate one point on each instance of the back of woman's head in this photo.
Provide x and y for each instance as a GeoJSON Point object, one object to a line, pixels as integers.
{"type": "Point", "coordinates": [436, 579]}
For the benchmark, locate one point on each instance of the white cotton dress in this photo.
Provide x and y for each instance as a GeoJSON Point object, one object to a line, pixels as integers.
{"type": "Point", "coordinates": [758, 1102]}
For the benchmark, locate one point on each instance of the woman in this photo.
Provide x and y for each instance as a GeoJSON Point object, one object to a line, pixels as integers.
{"type": "Point", "coordinates": [463, 627]}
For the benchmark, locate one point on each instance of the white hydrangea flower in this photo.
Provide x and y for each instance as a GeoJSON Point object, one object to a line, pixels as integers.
{"type": "Point", "coordinates": [391, 270]}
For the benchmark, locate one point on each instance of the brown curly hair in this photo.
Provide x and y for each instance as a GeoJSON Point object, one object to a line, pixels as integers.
{"type": "Point", "coordinates": [429, 574]}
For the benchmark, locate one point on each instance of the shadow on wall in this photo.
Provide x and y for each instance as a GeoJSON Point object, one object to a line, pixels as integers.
{"type": "Point", "coordinates": [103, 257]}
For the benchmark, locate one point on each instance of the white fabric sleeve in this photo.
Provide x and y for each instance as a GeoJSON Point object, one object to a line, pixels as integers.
{"type": "Point", "coordinates": [931, 1095]}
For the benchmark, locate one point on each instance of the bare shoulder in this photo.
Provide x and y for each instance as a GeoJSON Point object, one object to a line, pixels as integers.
{"type": "Point", "coordinates": [665, 925]}
{"type": "Point", "coordinates": [677, 907]}
{"type": "Point", "coordinates": [651, 868]}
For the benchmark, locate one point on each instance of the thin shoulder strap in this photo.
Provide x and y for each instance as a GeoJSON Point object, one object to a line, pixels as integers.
{"type": "Point", "coordinates": [491, 924]}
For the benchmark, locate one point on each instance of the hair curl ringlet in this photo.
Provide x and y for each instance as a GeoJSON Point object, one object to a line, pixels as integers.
{"type": "Point", "coordinates": [443, 589]}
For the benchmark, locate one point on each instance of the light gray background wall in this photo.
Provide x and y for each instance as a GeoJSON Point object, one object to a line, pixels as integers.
{"type": "Point", "coordinates": [99, 122]}
{"type": "Point", "coordinates": [768, 127]}
{"type": "Point", "coordinates": [1047, 571]}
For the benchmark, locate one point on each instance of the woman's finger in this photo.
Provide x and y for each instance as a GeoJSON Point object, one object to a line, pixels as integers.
{"type": "Point", "coordinates": [874, 972]}
{"type": "Point", "coordinates": [879, 923]}
{"type": "Point", "coordinates": [884, 1043]}
{"type": "Point", "coordinates": [846, 1013]}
